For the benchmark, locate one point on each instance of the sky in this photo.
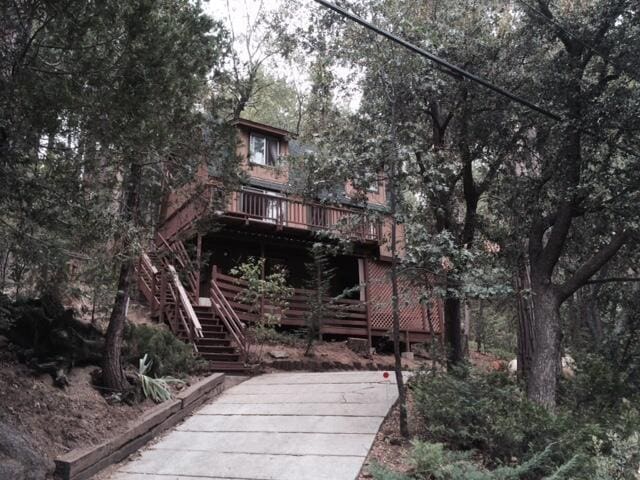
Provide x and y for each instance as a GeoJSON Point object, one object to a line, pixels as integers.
{"type": "Point", "coordinates": [242, 11]}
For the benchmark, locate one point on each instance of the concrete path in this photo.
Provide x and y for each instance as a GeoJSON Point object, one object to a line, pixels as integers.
{"type": "Point", "coordinates": [285, 426]}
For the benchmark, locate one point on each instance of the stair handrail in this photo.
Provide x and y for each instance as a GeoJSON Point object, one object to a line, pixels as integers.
{"type": "Point", "coordinates": [183, 301]}
{"type": "Point", "coordinates": [229, 317]}
{"type": "Point", "coordinates": [180, 253]}
{"type": "Point", "coordinates": [147, 275]}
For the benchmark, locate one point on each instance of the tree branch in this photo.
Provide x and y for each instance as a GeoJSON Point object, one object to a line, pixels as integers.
{"type": "Point", "coordinates": [591, 267]}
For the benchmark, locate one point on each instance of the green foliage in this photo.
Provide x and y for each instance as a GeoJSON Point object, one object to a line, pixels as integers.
{"type": "Point", "coordinates": [271, 335]}
{"type": "Point", "coordinates": [489, 413]}
{"type": "Point", "coordinates": [486, 417]}
{"type": "Point", "coordinates": [320, 275]}
{"type": "Point", "coordinates": [157, 389]}
{"type": "Point", "coordinates": [269, 291]}
{"type": "Point", "coordinates": [267, 296]}
{"type": "Point", "coordinates": [168, 356]}
{"type": "Point", "coordinates": [432, 461]}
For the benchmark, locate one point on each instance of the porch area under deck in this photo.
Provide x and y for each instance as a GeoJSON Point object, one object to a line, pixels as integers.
{"type": "Point", "coordinates": [364, 313]}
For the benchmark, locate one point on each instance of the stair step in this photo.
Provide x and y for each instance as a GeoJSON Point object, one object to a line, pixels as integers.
{"type": "Point", "coordinates": [220, 357]}
{"type": "Point", "coordinates": [213, 336]}
{"type": "Point", "coordinates": [228, 366]}
{"type": "Point", "coordinates": [222, 349]}
{"type": "Point", "coordinates": [213, 342]}
{"type": "Point", "coordinates": [212, 329]}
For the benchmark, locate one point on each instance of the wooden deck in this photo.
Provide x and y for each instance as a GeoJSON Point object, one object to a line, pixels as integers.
{"type": "Point", "coordinates": [271, 211]}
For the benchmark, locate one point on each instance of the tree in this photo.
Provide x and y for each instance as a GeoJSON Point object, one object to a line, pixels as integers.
{"type": "Point", "coordinates": [99, 116]}
{"type": "Point", "coordinates": [168, 53]}
{"type": "Point", "coordinates": [572, 187]}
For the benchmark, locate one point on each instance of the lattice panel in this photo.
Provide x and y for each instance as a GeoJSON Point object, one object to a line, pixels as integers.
{"type": "Point", "coordinates": [414, 316]}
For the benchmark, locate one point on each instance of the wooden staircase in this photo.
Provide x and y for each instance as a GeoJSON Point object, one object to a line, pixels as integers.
{"type": "Point", "coordinates": [215, 331]}
{"type": "Point", "coordinates": [216, 345]}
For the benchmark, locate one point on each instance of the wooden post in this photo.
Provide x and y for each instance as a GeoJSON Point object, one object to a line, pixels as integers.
{"type": "Point", "coordinates": [214, 272]}
{"type": "Point", "coordinates": [198, 268]}
{"type": "Point", "coordinates": [263, 273]}
{"type": "Point", "coordinates": [367, 299]}
{"type": "Point", "coordinates": [163, 294]}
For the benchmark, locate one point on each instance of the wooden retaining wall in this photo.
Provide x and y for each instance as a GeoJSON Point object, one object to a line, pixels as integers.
{"type": "Point", "coordinates": [83, 463]}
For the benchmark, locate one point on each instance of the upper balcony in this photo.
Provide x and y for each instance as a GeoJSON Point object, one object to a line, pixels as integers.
{"type": "Point", "coordinates": [264, 151]}
{"type": "Point", "coordinates": [283, 212]}
{"type": "Point", "coordinates": [264, 203]}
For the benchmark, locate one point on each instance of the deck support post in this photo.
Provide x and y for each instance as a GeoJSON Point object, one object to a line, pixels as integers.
{"type": "Point", "coordinates": [163, 294]}
{"type": "Point", "coordinates": [198, 268]}
{"type": "Point", "coordinates": [365, 271]}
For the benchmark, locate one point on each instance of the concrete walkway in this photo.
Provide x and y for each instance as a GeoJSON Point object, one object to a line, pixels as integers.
{"type": "Point", "coordinates": [285, 426]}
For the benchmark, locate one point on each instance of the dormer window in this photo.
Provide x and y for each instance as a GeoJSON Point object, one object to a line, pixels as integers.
{"type": "Point", "coordinates": [263, 149]}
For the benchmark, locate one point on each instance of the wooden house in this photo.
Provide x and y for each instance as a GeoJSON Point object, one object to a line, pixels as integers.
{"type": "Point", "coordinates": [204, 234]}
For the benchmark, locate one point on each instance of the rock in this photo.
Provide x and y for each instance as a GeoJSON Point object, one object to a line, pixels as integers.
{"type": "Point", "coordinates": [568, 367]}
{"type": "Point", "coordinates": [420, 351]}
{"type": "Point", "coordinates": [278, 354]}
{"type": "Point", "coordinates": [18, 459]}
{"type": "Point", "coordinates": [358, 345]}
{"type": "Point", "coordinates": [407, 355]}
{"type": "Point", "coordinates": [513, 366]}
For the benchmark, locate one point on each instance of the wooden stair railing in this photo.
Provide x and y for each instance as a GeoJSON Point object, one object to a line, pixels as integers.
{"type": "Point", "coordinates": [181, 256]}
{"type": "Point", "coordinates": [147, 275]}
{"type": "Point", "coordinates": [227, 314]}
{"type": "Point", "coordinates": [183, 308]}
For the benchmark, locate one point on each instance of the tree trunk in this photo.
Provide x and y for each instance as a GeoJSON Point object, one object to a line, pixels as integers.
{"type": "Point", "coordinates": [453, 331]}
{"type": "Point", "coordinates": [541, 380]}
{"type": "Point", "coordinates": [395, 304]}
{"type": "Point", "coordinates": [112, 373]}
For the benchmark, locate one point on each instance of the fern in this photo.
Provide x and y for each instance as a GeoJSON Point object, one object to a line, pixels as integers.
{"type": "Point", "coordinates": [157, 389]}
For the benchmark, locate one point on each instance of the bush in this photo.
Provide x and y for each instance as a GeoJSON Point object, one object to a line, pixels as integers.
{"type": "Point", "coordinates": [488, 417]}
{"type": "Point", "coordinates": [484, 412]}
{"type": "Point", "coordinates": [432, 461]}
{"type": "Point", "coordinates": [168, 355]}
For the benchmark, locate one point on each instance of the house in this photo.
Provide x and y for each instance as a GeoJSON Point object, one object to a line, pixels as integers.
{"type": "Point", "coordinates": [187, 279]}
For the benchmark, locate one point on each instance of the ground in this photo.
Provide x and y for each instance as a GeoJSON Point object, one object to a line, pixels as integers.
{"type": "Point", "coordinates": [56, 420]}
{"type": "Point", "coordinates": [327, 356]}
{"type": "Point", "coordinates": [283, 426]}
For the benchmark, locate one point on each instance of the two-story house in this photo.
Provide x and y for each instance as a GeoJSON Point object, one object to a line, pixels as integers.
{"type": "Point", "coordinates": [203, 236]}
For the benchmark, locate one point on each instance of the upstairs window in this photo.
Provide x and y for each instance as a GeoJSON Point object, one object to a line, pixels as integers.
{"type": "Point", "coordinates": [264, 150]}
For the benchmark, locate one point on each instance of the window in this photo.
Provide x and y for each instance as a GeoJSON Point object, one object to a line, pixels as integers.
{"type": "Point", "coordinates": [263, 150]}
{"type": "Point", "coordinates": [374, 186]}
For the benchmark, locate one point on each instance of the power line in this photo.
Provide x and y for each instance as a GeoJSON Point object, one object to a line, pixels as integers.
{"type": "Point", "coordinates": [450, 69]}
{"type": "Point", "coordinates": [455, 71]}
{"type": "Point", "coordinates": [567, 32]}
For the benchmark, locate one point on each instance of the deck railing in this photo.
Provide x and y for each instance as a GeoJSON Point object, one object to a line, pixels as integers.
{"type": "Point", "coordinates": [275, 209]}
{"type": "Point", "coordinates": [294, 213]}
{"type": "Point", "coordinates": [347, 317]}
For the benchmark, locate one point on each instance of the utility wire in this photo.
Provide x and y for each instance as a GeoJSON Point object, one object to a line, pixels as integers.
{"type": "Point", "coordinates": [567, 32]}
{"type": "Point", "coordinates": [450, 69]}
{"type": "Point", "coordinates": [455, 71]}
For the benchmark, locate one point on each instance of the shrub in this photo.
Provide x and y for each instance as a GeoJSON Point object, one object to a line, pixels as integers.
{"type": "Point", "coordinates": [168, 355]}
{"type": "Point", "coordinates": [432, 461]}
{"type": "Point", "coordinates": [488, 416]}
{"type": "Point", "coordinates": [485, 412]}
